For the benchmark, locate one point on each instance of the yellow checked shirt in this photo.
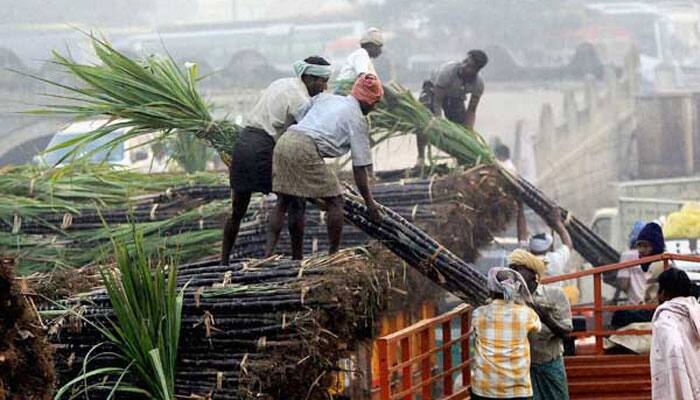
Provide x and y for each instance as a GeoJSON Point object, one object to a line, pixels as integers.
{"type": "Point", "coordinates": [501, 365]}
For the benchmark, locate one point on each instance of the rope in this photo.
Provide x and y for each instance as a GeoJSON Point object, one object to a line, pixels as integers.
{"type": "Point", "coordinates": [67, 221]}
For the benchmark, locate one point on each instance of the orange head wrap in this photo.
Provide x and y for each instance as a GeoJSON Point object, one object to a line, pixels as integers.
{"type": "Point", "coordinates": [367, 89]}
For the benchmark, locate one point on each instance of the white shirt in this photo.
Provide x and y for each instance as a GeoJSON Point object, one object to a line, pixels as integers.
{"type": "Point", "coordinates": [556, 262]}
{"type": "Point", "coordinates": [337, 126]}
{"type": "Point", "coordinates": [637, 277]}
{"type": "Point", "coordinates": [358, 62]}
{"type": "Point", "coordinates": [282, 104]}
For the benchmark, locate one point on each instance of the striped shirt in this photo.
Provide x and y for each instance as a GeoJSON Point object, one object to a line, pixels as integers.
{"type": "Point", "coordinates": [501, 365]}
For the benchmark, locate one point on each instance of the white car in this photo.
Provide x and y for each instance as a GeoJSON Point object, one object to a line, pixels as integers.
{"type": "Point", "coordinates": [126, 154]}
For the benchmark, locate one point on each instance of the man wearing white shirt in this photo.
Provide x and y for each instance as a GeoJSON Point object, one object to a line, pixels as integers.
{"type": "Point", "coordinates": [360, 60]}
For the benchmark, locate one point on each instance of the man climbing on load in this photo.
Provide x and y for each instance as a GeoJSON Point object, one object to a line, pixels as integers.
{"type": "Point", "coordinates": [446, 91]}
{"type": "Point", "coordinates": [333, 126]}
{"type": "Point", "coordinates": [360, 61]}
{"type": "Point", "coordinates": [547, 372]}
{"type": "Point", "coordinates": [283, 103]}
{"type": "Point", "coordinates": [542, 246]}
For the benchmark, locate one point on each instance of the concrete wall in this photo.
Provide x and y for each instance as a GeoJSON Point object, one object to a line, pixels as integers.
{"type": "Point", "coordinates": [578, 158]}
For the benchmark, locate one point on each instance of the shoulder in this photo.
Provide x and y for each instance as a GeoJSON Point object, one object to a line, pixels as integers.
{"type": "Point", "coordinates": [359, 53]}
{"type": "Point", "coordinates": [554, 294]}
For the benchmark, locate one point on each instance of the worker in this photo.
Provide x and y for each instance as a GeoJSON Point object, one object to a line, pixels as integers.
{"type": "Point", "coordinates": [447, 89]}
{"type": "Point", "coordinates": [360, 60]}
{"type": "Point", "coordinates": [284, 102]}
{"type": "Point", "coordinates": [547, 371]}
{"type": "Point", "coordinates": [502, 153]}
{"type": "Point", "coordinates": [500, 368]}
{"type": "Point", "coordinates": [675, 344]}
{"type": "Point", "coordinates": [650, 242]}
{"type": "Point", "coordinates": [542, 245]}
{"type": "Point", "coordinates": [632, 280]}
{"type": "Point", "coordinates": [333, 126]}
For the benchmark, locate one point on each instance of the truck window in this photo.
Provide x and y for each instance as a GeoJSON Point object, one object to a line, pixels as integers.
{"type": "Point", "coordinates": [603, 228]}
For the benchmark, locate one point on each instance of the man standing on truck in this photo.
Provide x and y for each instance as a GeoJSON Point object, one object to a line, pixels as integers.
{"type": "Point", "coordinates": [283, 103]}
{"type": "Point", "coordinates": [501, 363]}
{"type": "Point", "coordinates": [542, 246]}
{"type": "Point", "coordinates": [360, 60]}
{"type": "Point", "coordinates": [446, 91]}
{"type": "Point", "coordinates": [547, 371]}
{"type": "Point", "coordinates": [675, 344]}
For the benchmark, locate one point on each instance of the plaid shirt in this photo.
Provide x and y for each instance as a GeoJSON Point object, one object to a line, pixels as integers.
{"type": "Point", "coordinates": [501, 365]}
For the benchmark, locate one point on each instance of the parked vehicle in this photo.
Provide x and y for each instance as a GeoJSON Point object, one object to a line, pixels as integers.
{"type": "Point", "coordinates": [128, 154]}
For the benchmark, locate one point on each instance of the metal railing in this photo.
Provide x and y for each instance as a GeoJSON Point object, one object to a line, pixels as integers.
{"type": "Point", "coordinates": [396, 377]}
{"type": "Point", "coordinates": [598, 307]}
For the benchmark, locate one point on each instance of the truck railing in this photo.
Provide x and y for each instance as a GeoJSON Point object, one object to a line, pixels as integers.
{"type": "Point", "coordinates": [396, 379]}
{"type": "Point", "coordinates": [598, 308]}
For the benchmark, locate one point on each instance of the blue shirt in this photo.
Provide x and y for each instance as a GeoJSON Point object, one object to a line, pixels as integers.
{"type": "Point", "coordinates": [337, 125]}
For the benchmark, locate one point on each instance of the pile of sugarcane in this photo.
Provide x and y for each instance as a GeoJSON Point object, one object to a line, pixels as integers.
{"type": "Point", "coordinates": [271, 328]}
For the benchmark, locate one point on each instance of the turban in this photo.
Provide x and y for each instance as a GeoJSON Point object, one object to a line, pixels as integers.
{"type": "Point", "coordinates": [652, 233]}
{"type": "Point", "coordinates": [510, 283]}
{"type": "Point", "coordinates": [541, 243]}
{"type": "Point", "coordinates": [527, 260]}
{"type": "Point", "coordinates": [368, 89]}
{"type": "Point", "coordinates": [372, 35]}
{"type": "Point", "coordinates": [303, 68]}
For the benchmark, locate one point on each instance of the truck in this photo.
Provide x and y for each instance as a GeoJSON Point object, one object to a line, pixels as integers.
{"type": "Point", "coordinates": [648, 200]}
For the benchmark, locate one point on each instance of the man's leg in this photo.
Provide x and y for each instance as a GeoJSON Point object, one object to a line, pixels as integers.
{"type": "Point", "coordinates": [421, 142]}
{"type": "Point", "coordinates": [239, 206]}
{"type": "Point", "coordinates": [334, 221]}
{"type": "Point", "coordinates": [276, 221]}
{"type": "Point", "coordinates": [295, 221]}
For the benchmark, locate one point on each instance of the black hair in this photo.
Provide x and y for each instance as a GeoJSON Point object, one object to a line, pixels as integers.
{"type": "Point", "coordinates": [479, 57]}
{"type": "Point", "coordinates": [316, 60]}
{"type": "Point", "coordinates": [502, 151]}
{"type": "Point", "coordinates": [675, 283]}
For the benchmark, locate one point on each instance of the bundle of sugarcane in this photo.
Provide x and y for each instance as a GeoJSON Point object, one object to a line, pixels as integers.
{"type": "Point", "coordinates": [29, 192]}
{"type": "Point", "coordinates": [401, 111]}
{"type": "Point", "coordinates": [256, 328]}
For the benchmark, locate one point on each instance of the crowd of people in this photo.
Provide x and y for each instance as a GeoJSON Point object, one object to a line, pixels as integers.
{"type": "Point", "coordinates": [295, 125]}
{"type": "Point", "coordinates": [519, 334]}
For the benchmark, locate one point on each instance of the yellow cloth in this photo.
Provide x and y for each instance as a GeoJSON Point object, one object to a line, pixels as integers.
{"type": "Point", "coordinates": [528, 260]}
{"type": "Point", "coordinates": [501, 364]}
{"type": "Point", "coordinates": [684, 223]}
{"type": "Point", "coordinates": [572, 293]}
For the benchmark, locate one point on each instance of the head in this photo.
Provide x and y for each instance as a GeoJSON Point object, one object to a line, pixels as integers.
{"type": "Point", "coordinates": [507, 284]}
{"type": "Point", "coordinates": [314, 71]}
{"type": "Point", "coordinates": [634, 233]}
{"type": "Point", "coordinates": [529, 266]}
{"type": "Point", "coordinates": [650, 241]}
{"type": "Point", "coordinates": [368, 91]}
{"type": "Point", "coordinates": [674, 283]}
{"type": "Point", "coordinates": [540, 244]}
{"type": "Point", "coordinates": [473, 63]}
{"type": "Point", "coordinates": [502, 152]}
{"type": "Point", "coordinates": [372, 41]}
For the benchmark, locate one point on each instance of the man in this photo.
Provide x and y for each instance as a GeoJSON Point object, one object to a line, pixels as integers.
{"type": "Point", "coordinates": [542, 246]}
{"type": "Point", "coordinates": [283, 103]}
{"type": "Point", "coordinates": [333, 126]}
{"type": "Point", "coordinates": [650, 242]}
{"type": "Point", "coordinates": [500, 368]}
{"type": "Point", "coordinates": [547, 371]}
{"type": "Point", "coordinates": [360, 60]}
{"type": "Point", "coordinates": [502, 153]}
{"type": "Point", "coordinates": [675, 346]}
{"type": "Point", "coordinates": [632, 280]}
{"type": "Point", "coordinates": [447, 89]}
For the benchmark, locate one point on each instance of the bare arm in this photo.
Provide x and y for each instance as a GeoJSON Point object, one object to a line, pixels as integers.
{"type": "Point", "coordinates": [438, 101]}
{"type": "Point", "coordinates": [560, 229]}
{"type": "Point", "coordinates": [362, 182]}
{"type": "Point", "coordinates": [471, 111]}
{"type": "Point", "coordinates": [521, 223]}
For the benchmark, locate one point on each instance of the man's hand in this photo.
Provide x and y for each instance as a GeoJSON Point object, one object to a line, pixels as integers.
{"type": "Point", "coordinates": [375, 215]}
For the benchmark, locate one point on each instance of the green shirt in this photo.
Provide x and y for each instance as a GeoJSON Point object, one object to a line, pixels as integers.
{"type": "Point", "coordinates": [544, 345]}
